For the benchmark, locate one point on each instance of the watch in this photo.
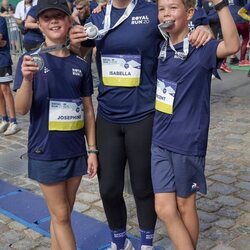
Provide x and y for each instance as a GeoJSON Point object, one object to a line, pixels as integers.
{"type": "Point", "coordinates": [221, 5]}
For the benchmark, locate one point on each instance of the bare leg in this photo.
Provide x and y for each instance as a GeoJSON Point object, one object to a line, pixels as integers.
{"type": "Point", "coordinates": [3, 111]}
{"type": "Point", "coordinates": [54, 244]}
{"type": "Point", "coordinates": [9, 100]}
{"type": "Point", "coordinates": [166, 209]}
{"type": "Point", "coordinates": [72, 186]}
{"type": "Point", "coordinates": [59, 207]}
{"type": "Point", "coordinates": [188, 212]}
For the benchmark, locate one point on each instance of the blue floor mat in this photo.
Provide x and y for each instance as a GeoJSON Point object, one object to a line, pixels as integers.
{"type": "Point", "coordinates": [30, 210]}
{"type": "Point", "coordinates": [6, 188]}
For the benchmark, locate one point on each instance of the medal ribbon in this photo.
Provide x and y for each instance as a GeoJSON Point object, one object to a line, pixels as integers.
{"type": "Point", "coordinates": [107, 19]}
{"type": "Point", "coordinates": [163, 52]}
{"type": "Point", "coordinates": [43, 50]}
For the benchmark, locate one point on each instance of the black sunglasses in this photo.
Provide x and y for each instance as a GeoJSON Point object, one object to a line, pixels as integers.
{"type": "Point", "coordinates": [81, 7]}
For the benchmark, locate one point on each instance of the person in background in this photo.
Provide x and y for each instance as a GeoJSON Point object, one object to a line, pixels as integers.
{"type": "Point", "coordinates": [80, 14]}
{"type": "Point", "coordinates": [199, 17]}
{"type": "Point", "coordinates": [8, 124]}
{"type": "Point", "coordinates": [181, 122]}
{"type": "Point", "coordinates": [244, 12]}
{"type": "Point", "coordinates": [21, 12]}
{"type": "Point", "coordinates": [215, 26]}
{"type": "Point", "coordinates": [242, 27]}
{"type": "Point", "coordinates": [81, 11]}
{"type": "Point", "coordinates": [60, 88]}
{"type": "Point", "coordinates": [33, 37]}
{"type": "Point", "coordinates": [6, 9]}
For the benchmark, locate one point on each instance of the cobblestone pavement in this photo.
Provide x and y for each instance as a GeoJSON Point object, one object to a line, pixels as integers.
{"type": "Point", "coordinates": [224, 211]}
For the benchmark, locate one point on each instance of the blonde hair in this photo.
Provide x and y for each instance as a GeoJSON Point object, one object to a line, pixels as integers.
{"type": "Point", "coordinates": [189, 3]}
{"type": "Point", "coordinates": [85, 2]}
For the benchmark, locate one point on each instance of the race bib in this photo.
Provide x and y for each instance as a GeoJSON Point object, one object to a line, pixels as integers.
{"type": "Point", "coordinates": [165, 94]}
{"type": "Point", "coordinates": [121, 70]}
{"type": "Point", "coordinates": [65, 115]}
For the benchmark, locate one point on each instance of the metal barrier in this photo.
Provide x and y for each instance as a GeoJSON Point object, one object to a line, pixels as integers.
{"type": "Point", "coordinates": [15, 37]}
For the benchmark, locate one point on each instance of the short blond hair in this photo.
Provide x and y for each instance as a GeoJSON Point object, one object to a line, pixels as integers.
{"type": "Point", "coordinates": [189, 3]}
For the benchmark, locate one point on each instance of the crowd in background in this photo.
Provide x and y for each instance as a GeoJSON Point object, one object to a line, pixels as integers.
{"type": "Point", "coordinates": [22, 22]}
{"type": "Point", "coordinates": [25, 35]}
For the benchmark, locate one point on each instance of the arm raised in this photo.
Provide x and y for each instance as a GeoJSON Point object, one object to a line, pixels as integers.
{"type": "Point", "coordinates": [231, 42]}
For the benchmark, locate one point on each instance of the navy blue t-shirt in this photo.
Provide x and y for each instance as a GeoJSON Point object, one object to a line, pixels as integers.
{"type": "Point", "coordinates": [199, 17]}
{"type": "Point", "coordinates": [92, 5]}
{"type": "Point", "coordinates": [63, 78]}
{"type": "Point", "coordinates": [212, 14]}
{"type": "Point", "coordinates": [5, 58]}
{"type": "Point", "coordinates": [137, 35]}
{"type": "Point", "coordinates": [186, 130]}
{"type": "Point", "coordinates": [33, 35]}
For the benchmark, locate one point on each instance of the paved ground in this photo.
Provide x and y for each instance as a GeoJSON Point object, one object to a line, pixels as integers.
{"type": "Point", "coordinates": [224, 212]}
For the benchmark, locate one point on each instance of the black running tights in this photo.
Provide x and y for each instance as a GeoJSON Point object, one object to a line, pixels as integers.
{"type": "Point", "coordinates": [118, 143]}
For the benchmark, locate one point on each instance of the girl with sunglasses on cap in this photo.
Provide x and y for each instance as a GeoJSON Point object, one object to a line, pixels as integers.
{"type": "Point", "coordinates": [55, 86]}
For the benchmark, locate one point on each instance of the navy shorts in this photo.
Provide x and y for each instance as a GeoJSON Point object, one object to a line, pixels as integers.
{"type": "Point", "coordinates": [6, 75]}
{"type": "Point", "coordinates": [172, 172]}
{"type": "Point", "coordinates": [49, 172]}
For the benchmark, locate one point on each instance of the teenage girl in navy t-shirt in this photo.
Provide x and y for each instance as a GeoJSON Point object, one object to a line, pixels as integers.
{"type": "Point", "coordinates": [56, 88]}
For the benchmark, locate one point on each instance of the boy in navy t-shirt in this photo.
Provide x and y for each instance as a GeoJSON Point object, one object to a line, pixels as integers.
{"type": "Point", "coordinates": [180, 130]}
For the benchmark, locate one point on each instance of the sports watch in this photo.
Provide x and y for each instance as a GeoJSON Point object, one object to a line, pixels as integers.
{"type": "Point", "coordinates": [221, 5]}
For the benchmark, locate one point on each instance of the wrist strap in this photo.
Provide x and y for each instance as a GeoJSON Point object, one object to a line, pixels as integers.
{"type": "Point", "coordinates": [92, 151]}
{"type": "Point", "coordinates": [221, 5]}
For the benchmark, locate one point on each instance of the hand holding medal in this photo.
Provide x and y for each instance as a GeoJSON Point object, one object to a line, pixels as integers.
{"type": "Point", "coordinates": [29, 67]}
{"type": "Point", "coordinates": [42, 50]}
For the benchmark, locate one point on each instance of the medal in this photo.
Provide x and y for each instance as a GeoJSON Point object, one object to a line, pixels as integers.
{"type": "Point", "coordinates": [91, 30]}
{"type": "Point", "coordinates": [38, 60]}
{"type": "Point", "coordinates": [166, 24]}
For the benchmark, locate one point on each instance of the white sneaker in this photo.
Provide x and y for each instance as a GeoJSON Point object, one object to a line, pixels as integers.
{"type": "Point", "coordinates": [12, 129]}
{"type": "Point", "coordinates": [144, 247]}
{"type": "Point", "coordinates": [128, 245]}
{"type": "Point", "coordinates": [3, 126]}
